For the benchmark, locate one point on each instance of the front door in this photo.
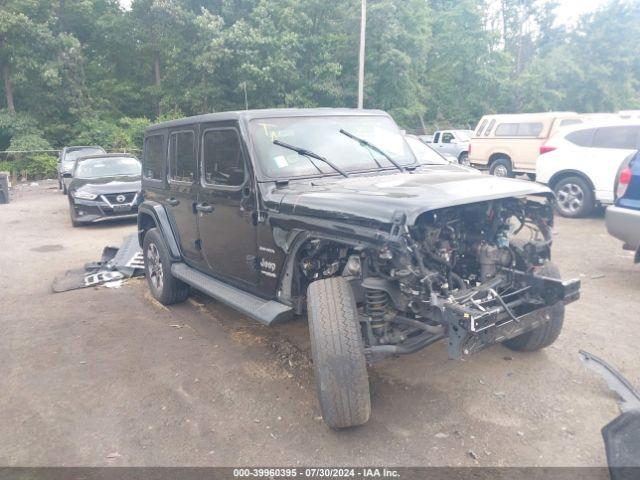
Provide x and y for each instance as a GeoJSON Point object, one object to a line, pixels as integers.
{"type": "Point", "coordinates": [226, 205]}
{"type": "Point", "coordinates": [447, 145]}
{"type": "Point", "coordinates": [183, 187]}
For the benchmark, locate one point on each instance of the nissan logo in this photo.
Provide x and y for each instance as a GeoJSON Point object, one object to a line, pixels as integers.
{"type": "Point", "coordinates": [120, 198]}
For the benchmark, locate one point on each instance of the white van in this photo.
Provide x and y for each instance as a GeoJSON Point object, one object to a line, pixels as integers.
{"type": "Point", "coordinates": [508, 144]}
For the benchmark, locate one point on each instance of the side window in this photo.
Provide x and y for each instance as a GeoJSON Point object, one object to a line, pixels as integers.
{"type": "Point", "coordinates": [529, 129]}
{"type": "Point", "coordinates": [507, 130]}
{"type": "Point", "coordinates": [153, 157]}
{"type": "Point", "coordinates": [182, 157]}
{"type": "Point", "coordinates": [525, 129]}
{"type": "Point", "coordinates": [569, 121]}
{"type": "Point", "coordinates": [447, 137]}
{"type": "Point", "coordinates": [436, 137]}
{"type": "Point", "coordinates": [616, 137]}
{"type": "Point", "coordinates": [488, 130]}
{"type": "Point", "coordinates": [481, 127]}
{"type": "Point", "coordinates": [582, 138]}
{"type": "Point", "coordinates": [223, 160]}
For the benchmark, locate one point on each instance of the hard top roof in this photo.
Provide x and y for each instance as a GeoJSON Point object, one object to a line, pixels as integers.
{"type": "Point", "coordinates": [75, 148]}
{"type": "Point", "coordinates": [265, 113]}
{"type": "Point", "coordinates": [530, 115]}
{"type": "Point", "coordinates": [105, 155]}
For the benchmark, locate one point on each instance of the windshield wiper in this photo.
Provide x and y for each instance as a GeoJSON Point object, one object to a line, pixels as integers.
{"type": "Point", "coordinates": [309, 154]}
{"type": "Point", "coordinates": [364, 143]}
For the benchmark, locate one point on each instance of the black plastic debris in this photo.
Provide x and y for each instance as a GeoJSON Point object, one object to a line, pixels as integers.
{"type": "Point", "coordinates": [622, 435]}
{"type": "Point", "coordinates": [116, 264]}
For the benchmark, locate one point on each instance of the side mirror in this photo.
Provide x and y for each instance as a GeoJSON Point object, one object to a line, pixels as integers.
{"type": "Point", "coordinates": [67, 175]}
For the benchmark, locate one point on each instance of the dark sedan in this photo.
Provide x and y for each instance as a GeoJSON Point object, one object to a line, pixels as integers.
{"type": "Point", "coordinates": [104, 187]}
{"type": "Point", "coordinates": [623, 218]}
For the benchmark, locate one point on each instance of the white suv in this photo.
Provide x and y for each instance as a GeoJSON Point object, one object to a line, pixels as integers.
{"type": "Point", "coordinates": [580, 163]}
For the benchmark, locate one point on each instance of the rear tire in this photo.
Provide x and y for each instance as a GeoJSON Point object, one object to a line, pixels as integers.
{"type": "Point", "coordinates": [547, 333]}
{"type": "Point", "coordinates": [157, 267]}
{"type": "Point", "coordinates": [501, 167]}
{"type": "Point", "coordinates": [463, 159]}
{"type": "Point", "coordinates": [574, 197]}
{"type": "Point", "coordinates": [338, 353]}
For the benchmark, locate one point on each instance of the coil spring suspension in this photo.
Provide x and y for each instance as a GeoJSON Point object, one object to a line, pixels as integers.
{"type": "Point", "coordinates": [376, 306]}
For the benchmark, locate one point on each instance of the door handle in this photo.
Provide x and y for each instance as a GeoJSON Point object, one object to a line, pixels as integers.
{"type": "Point", "coordinates": [173, 201]}
{"type": "Point", "coordinates": [204, 208]}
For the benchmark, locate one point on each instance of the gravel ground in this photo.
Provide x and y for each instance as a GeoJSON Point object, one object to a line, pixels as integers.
{"type": "Point", "coordinates": [110, 377]}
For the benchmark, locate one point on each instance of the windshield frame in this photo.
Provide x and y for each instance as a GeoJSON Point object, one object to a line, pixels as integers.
{"type": "Point", "coordinates": [82, 160]}
{"type": "Point", "coordinates": [263, 177]}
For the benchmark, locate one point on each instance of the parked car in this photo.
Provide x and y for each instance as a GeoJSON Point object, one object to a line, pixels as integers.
{"type": "Point", "coordinates": [453, 142]}
{"type": "Point", "coordinates": [66, 162]}
{"type": "Point", "coordinates": [427, 155]}
{"type": "Point", "coordinates": [623, 219]}
{"type": "Point", "coordinates": [278, 212]}
{"type": "Point", "coordinates": [510, 144]}
{"type": "Point", "coordinates": [104, 187]}
{"type": "Point", "coordinates": [580, 163]}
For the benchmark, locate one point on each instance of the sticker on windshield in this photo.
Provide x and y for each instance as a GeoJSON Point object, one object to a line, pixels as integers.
{"type": "Point", "coordinates": [281, 161]}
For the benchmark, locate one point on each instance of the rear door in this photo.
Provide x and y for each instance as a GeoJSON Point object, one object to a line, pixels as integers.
{"type": "Point", "coordinates": [182, 174]}
{"type": "Point", "coordinates": [225, 206]}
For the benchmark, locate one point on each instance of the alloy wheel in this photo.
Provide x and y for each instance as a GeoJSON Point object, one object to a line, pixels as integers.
{"type": "Point", "coordinates": [570, 198]}
{"type": "Point", "coordinates": [154, 267]}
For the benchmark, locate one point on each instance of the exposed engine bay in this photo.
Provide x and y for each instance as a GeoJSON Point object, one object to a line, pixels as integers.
{"type": "Point", "coordinates": [459, 272]}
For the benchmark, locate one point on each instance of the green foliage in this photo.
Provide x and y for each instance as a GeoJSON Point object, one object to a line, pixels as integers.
{"type": "Point", "coordinates": [87, 71]}
{"type": "Point", "coordinates": [30, 165]}
{"type": "Point", "coordinates": [125, 133]}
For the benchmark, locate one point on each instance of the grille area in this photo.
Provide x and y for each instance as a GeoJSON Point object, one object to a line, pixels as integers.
{"type": "Point", "coordinates": [113, 197]}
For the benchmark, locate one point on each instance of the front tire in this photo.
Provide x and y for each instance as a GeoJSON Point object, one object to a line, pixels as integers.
{"type": "Point", "coordinates": [546, 334]}
{"type": "Point", "coordinates": [574, 197]}
{"type": "Point", "coordinates": [72, 214]}
{"type": "Point", "coordinates": [157, 267]}
{"type": "Point", "coordinates": [337, 349]}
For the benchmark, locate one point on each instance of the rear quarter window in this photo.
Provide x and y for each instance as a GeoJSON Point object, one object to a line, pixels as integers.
{"type": "Point", "coordinates": [153, 157]}
{"type": "Point", "coordinates": [481, 127]}
{"type": "Point", "coordinates": [489, 127]}
{"type": "Point", "coordinates": [570, 121]}
{"type": "Point", "coordinates": [582, 138]}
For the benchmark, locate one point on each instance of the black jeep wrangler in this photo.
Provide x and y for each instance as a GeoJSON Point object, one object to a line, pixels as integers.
{"type": "Point", "coordinates": [278, 212]}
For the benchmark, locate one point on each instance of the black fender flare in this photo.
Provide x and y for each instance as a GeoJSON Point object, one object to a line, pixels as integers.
{"type": "Point", "coordinates": [291, 242]}
{"type": "Point", "coordinates": [150, 211]}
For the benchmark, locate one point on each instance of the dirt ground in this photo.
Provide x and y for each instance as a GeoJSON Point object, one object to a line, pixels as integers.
{"type": "Point", "coordinates": [109, 377]}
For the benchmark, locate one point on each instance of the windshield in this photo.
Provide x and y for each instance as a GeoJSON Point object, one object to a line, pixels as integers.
{"type": "Point", "coordinates": [321, 135]}
{"type": "Point", "coordinates": [108, 167]}
{"type": "Point", "coordinates": [425, 154]}
{"type": "Point", "coordinates": [75, 154]}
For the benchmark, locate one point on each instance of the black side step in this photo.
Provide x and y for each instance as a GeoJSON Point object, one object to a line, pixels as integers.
{"type": "Point", "coordinates": [268, 312]}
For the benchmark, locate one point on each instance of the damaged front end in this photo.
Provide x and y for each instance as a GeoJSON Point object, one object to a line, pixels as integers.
{"type": "Point", "coordinates": [477, 274]}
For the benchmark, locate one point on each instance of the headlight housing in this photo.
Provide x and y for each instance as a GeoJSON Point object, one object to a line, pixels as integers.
{"type": "Point", "coordinates": [85, 195]}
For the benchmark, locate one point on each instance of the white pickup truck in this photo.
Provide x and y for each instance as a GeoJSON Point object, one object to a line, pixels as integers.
{"type": "Point", "coordinates": [452, 142]}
